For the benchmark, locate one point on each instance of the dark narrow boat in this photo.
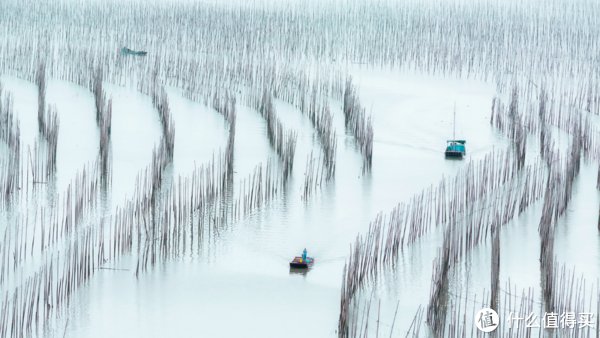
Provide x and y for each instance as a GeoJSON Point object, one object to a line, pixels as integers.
{"type": "Point", "coordinates": [299, 263]}
{"type": "Point", "coordinates": [127, 51]}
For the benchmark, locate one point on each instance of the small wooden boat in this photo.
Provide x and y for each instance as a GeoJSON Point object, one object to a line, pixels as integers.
{"type": "Point", "coordinates": [299, 263]}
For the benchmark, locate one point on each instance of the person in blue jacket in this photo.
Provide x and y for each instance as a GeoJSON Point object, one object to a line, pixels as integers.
{"type": "Point", "coordinates": [304, 255]}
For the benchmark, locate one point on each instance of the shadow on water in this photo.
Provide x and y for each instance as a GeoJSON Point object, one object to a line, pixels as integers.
{"type": "Point", "coordinates": [453, 158]}
{"type": "Point", "coordinates": [298, 272]}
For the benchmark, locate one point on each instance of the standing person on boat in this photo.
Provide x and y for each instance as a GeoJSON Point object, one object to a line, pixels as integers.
{"type": "Point", "coordinates": [304, 255]}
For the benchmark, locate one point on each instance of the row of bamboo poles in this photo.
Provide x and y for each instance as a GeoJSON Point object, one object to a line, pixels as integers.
{"type": "Point", "coordinates": [562, 171]}
{"type": "Point", "coordinates": [417, 52]}
{"type": "Point", "coordinates": [319, 113]}
{"type": "Point", "coordinates": [160, 222]}
{"type": "Point", "coordinates": [226, 106]}
{"type": "Point", "coordinates": [79, 77]}
{"type": "Point", "coordinates": [314, 175]}
{"type": "Point", "coordinates": [329, 37]}
{"type": "Point", "coordinates": [283, 141]}
{"type": "Point", "coordinates": [10, 164]}
{"type": "Point", "coordinates": [103, 107]}
{"type": "Point", "coordinates": [252, 204]}
{"type": "Point", "coordinates": [552, 179]}
{"type": "Point", "coordinates": [47, 253]}
{"type": "Point", "coordinates": [161, 103]}
{"type": "Point", "coordinates": [165, 218]}
{"type": "Point", "coordinates": [45, 228]}
{"type": "Point", "coordinates": [484, 195]}
{"type": "Point", "coordinates": [311, 96]}
{"type": "Point", "coordinates": [358, 124]}
{"type": "Point", "coordinates": [43, 159]}
{"type": "Point", "coordinates": [189, 210]}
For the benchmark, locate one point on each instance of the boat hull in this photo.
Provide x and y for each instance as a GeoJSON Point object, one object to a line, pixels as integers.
{"type": "Point", "coordinates": [299, 266]}
{"type": "Point", "coordinates": [454, 154]}
{"type": "Point", "coordinates": [299, 263]}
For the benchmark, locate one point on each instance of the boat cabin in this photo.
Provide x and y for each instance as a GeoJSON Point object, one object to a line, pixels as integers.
{"type": "Point", "coordinates": [455, 148]}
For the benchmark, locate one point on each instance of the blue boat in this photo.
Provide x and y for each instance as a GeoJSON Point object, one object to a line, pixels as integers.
{"type": "Point", "coordinates": [455, 148]}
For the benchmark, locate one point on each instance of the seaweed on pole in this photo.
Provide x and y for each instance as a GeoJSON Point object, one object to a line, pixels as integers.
{"type": "Point", "coordinates": [516, 128]}
{"type": "Point", "coordinates": [41, 289]}
{"type": "Point", "coordinates": [181, 214]}
{"type": "Point", "coordinates": [546, 231]}
{"type": "Point", "coordinates": [161, 103]}
{"type": "Point", "coordinates": [358, 124]}
{"type": "Point", "coordinates": [9, 126]}
{"type": "Point", "coordinates": [576, 298]}
{"type": "Point", "coordinates": [422, 35]}
{"type": "Point", "coordinates": [313, 176]}
{"type": "Point", "coordinates": [226, 106]}
{"type": "Point", "coordinates": [50, 134]}
{"type": "Point", "coordinates": [556, 199]}
{"type": "Point", "coordinates": [43, 161]}
{"type": "Point", "coordinates": [458, 312]}
{"type": "Point", "coordinates": [99, 95]}
{"type": "Point", "coordinates": [542, 115]}
{"type": "Point", "coordinates": [598, 311]}
{"type": "Point", "coordinates": [40, 80]}
{"type": "Point", "coordinates": [230, 150]}
{"type": "Point", "coordinates": [436, 308]}
{"type": "Point", "coordinates": [497, 116]}
{"type": "Point", "coordinates": [105, 126]}
{"type": "Point", "coordinates": [10, 134]}
{"type": "Point", "coordinates": [172, 215]}
{"type": "Point", "coordinates": [313, 102]}
{"type": "Point", "coordinates": [283, 141]}
{"type": "Point", "coordinates": [261, 187]}
{"type": "Point", "coordinates": [473, 207]}
{"type": "Point", "coordinates": [103, 107]}
{"type": "Point", "coordinates": [319, 114]}
{"type": "Point", "coordinates": [361, 266]}
{"type": "Point", "coordinates": [495, 271]}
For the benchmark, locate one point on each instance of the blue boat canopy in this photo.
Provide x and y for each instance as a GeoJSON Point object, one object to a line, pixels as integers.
{"type": "Point", "coordinates": [455, 147]}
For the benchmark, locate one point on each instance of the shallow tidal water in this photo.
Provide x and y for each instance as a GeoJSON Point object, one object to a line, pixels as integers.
{"type": "Point", "coordinates": [240, 284]}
